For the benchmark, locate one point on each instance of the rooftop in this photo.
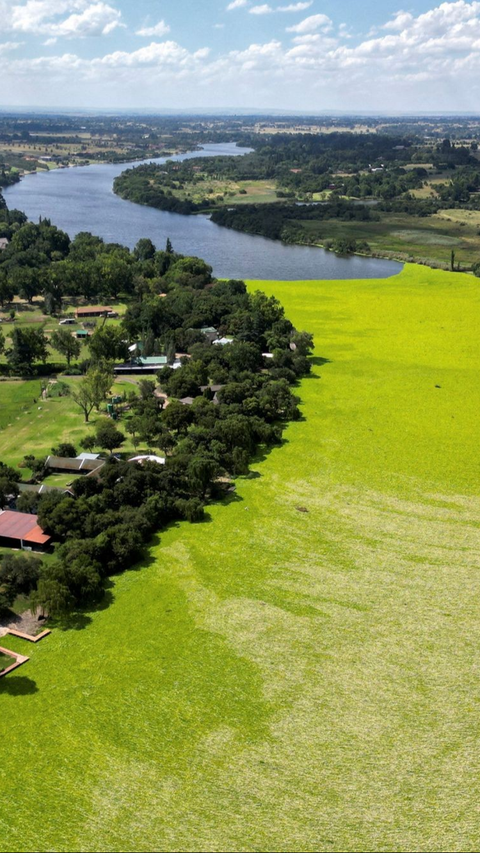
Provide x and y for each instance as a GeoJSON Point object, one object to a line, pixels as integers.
{"type": "Point", "coordinates": [64, 463]}
{"type": "Point", "coordinates": [22, 525]}
{"type": "Point", "coordinates": [93, 309]}
{"type": "Point", "coordinates": [141, 459]}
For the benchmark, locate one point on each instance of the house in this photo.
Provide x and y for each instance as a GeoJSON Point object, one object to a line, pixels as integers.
{"type": "Point", "coordinates": [186, 401]}
{"type": "Point", "coordinates": [42, 489]}
{"type": "Point", "coordinates": [21, 530]}
{"type": "Point", "coordinates": [82, 334]}
{"type": "Point", "coordinates": [90, 456]}
{"type": "Point", "coordinates": [142, 365]}
{"type": "Point", "coordinates": [3, 243]}
{"type": "Point", "coordinates": [93, 311]}
{"type": "Point", "coordinates": [142, 459]}
{"type": "Point", "coordinates": [223, 342]}
{"type": "Point", "coordinates": [210, 333]}
{"type": "Point", "coordinates": [68, 465]}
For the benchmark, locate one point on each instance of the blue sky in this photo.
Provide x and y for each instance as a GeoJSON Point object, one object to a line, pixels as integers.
{"type": "Point", "coordinates": [305, 55]}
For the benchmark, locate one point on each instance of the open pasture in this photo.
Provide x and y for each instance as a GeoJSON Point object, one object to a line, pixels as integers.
{"type": "Point", "coordinates": [278, 679]}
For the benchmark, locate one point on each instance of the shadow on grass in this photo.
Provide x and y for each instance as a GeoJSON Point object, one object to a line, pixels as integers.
{"type": "Point", "coordinates": [81, 619]}
{"type": "Point", "coordinates": [17, 685]}
{"type": "Point", "coordinates": [318, 361]}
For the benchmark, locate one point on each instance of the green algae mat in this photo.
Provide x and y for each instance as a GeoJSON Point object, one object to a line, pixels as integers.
{"type": "Point", "coordinates": [282, 680]}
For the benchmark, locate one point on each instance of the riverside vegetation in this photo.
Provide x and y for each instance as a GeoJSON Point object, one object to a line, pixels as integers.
{"type": "Point", "coordinates": [391, 195]}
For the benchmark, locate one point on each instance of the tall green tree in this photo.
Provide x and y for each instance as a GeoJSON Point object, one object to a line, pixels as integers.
{"type": "Point", "coordinates": [68, 346]}
{"type": "Point", "coordinates": [28, 347]}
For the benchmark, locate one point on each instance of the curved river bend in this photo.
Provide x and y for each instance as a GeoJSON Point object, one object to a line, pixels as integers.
{"type": "Point", "coordinates": [82, 199]}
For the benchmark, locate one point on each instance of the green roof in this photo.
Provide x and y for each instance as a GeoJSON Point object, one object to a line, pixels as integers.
{"type": "Point", "coordinates": [153, 359]}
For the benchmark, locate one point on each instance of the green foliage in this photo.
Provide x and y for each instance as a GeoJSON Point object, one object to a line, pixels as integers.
{"type": "Point", "coordinates": [65, 449]}
{"type": "Point", "coordinates": [28, 347]}
{"type": "Point", "coordinates": [63, 341]}
{"type": "Point", "coordinates": [19, 574]}
{"type": "Point", "coordinates": [9, 479]}
{"type": "Point", "coordinates": [108, 343]}
{"type": "Point", "coordinates": [108, 437]}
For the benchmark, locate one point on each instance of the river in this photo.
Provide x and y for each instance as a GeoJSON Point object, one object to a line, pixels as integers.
{"type": "Point", "coordinates": [82, 199]}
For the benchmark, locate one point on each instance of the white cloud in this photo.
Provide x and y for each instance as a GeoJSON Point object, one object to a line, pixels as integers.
{"type": "Point", "coordinates": [399, 21]}
{"type": "Point", "coordinates": [7, 46]}
{"type": "Point", "coordinates": [439, 49]}
{"type": "Point", "coordinates": [219, 26]}
{"type": "Point", "coordinates": [265, 9]}
{"type": "Point", "coordinates": [236, 4]}
{"type": "Point", "coordinates": [159, 30]}
{"type": "Point", "coordinates": [41, 17]}
{"type": "Point", "coordinates": [295, 7]}
{"type": "Point", "coordinates": [309, 25]}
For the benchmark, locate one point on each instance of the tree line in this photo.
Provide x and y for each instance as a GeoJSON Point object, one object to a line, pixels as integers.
{"type": "Point", "coordinates": [226, 404]}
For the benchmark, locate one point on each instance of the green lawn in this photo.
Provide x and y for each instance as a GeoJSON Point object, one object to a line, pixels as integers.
{"type": "Point", "coordinates": [277, 680]}
{"type": "Point", "coordinates": [5, 661]}
{"type": "Point", "coordinates": [29, 424]}
{"type": "Point", "coordinates": [31, 316]}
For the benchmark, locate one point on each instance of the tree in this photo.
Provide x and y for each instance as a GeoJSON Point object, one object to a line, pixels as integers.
{"type": "Point", "coordinates": [28, 346]}
{"type": "Point", "coordinates": [117, 275]}
{"type": "Point", "coordinates": [90, 393]}
{"type": "Point", "coordinates": [19, 573]}
{"type": "Point", "coordinates": [100, 379]}
{"type": "Point", "coordinates": [7, 290]}
{"type": "Point", "coordinates": [476, 269]}
{"type": "Point", "coordinates": [65, 450]}
{"type": "Point", "coordinates": [68, 346]}
{"type": "Point", "coordinates": [108, 436]}
{"type": "Point", "coordinates": [144, 250]}
{"type": "Point", "coordinates": [84, 397]}
{"type": "Point", "coordinates": [8, 484]}
{"type": "Point", "coordinates": [28, 502]}
{"type": "Point", "coordinates": [108, 343]}
{"type": "Point", "coordinates": [52, 597]}
{"type": "Point", "coordinates": [25, 282]}
{"type": "Point", "coordinates": [88, 442]}
{"type": "Point", "coordinates": [202, 470]}
{"type": "Point", "coordinates": [2, 342]}
{"type": "Point", "coordinates": [177, 417]}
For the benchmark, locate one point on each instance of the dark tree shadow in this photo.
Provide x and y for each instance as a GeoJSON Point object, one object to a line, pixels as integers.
{"type": "Point", "coordinates": [17, 685]}
{"type": "Point", "coordinates": [318, 361]}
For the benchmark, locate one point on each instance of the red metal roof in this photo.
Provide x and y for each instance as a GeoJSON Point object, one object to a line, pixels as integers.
{"type": "Point", "coordinates": [22, 525]}
{"type": "Point", "coordinates": [94, 309]}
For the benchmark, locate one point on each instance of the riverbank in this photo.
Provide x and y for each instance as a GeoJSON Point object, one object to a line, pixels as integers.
{"type": "Point", "coordinates": [82, 200]}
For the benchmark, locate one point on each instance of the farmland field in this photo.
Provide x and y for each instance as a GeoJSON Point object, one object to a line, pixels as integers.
{"type": "Point", "coordinates": [274, 679]}
{"type": "Point", "coordinates": [430, 238]}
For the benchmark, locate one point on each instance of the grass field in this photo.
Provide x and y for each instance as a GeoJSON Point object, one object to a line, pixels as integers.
{"type": "Point", "coordinates": [5, 661]}
{"type": "Point", "coordinates": [429, 238]}
{"type": "Point", "coordinates": [29, 424]}
{"type": "Point", "coordinates": [234, 192]}
{"type": "Point", "coordinates": [277, 680]}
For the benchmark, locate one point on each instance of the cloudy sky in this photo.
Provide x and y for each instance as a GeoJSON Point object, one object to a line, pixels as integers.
{"type": "Point", "coordinates": [313, 55]}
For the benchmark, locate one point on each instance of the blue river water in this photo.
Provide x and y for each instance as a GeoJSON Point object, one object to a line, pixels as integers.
{"type": "Point", "coordinates": [82, 199]}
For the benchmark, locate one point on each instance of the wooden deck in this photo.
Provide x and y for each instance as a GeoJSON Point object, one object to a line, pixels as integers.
{"type": "Point", "coordinates": [19, 659]}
